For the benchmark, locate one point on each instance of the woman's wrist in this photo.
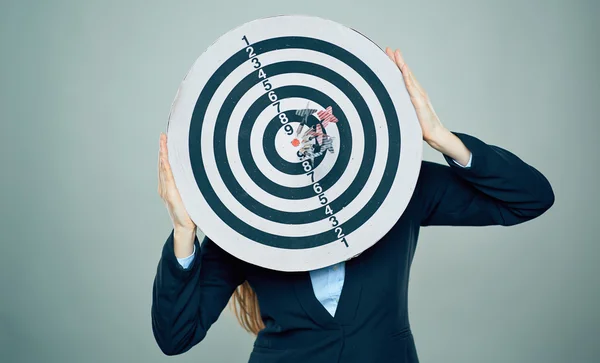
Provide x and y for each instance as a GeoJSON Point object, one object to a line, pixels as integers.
{"type": "Point", "coordinates": [444, 141]}
{"type": "Point", "coordinates": [183, 241]}
{"type": "Point", "coordinates": [436, 136]}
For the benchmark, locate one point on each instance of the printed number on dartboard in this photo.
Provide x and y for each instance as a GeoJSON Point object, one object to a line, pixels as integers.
{"type": "Point", "coordinates": [318, 189]}
{"type": "Point", "coordinates": [262, 76]}
{"type": "Point", "coordinates": [272, 95]}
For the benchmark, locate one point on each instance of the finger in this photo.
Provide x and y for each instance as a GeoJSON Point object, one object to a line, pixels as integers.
{"type": "Point", "coordinates": [416, 83]}
{"type": "Point", "coordinates": [410, 86]}
{"type": "Point", "coordinates": [161, 178]}
{"type": "Point", "coordinates": [159, 166]}
{"type": "Point", "coordinates": [159, 151]}
{"type": "Point", "coordinates": [399, 59]}
{"type": "Point", "coordinates": [406, 69]}
{"type": "Point", "coordinates": [390, 54]}
{"type": "Point", "coordinates": [167, 172]}
{"type": "Point", "coordinates": [162, 169]}
{"type": "Point", "coordinates": [408, 81]}
{"type": "Point", "coordinates": [163, 145]}
{"type": "Point", "coordinates": [409, 77]}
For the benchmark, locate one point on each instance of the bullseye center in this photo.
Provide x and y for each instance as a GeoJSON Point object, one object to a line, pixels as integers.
{"type": "Point", "coordinates": [287, 142]}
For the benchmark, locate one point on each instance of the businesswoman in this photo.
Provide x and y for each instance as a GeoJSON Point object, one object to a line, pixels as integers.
{"type": "Point", "coordinates": [354, 311]}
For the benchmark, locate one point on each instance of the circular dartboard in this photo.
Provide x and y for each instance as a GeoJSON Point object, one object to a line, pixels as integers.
{"type": "Point", "coordinates": [293, 143]}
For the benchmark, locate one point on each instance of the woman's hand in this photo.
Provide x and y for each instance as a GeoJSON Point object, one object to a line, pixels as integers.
{"type": "Point", "coordinates": [430, 122]}
{"type": "Point", "coordinates": [184, 227]}
{"type": "Point", "coordinates": [434, 133]}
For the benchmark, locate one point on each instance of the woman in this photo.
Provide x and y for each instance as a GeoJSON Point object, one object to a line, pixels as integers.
{"type": "Point", "coordinates": [354, 311]}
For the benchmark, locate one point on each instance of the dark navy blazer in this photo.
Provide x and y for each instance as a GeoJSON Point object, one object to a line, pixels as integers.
{"type": "Point", "coordinates": [371, 322]}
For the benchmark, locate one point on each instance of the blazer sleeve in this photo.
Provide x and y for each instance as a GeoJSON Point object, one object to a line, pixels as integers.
{"type": "Point", "coordinates": [498, 188]}
{"type": "Point", "coordinates": [186, 302]}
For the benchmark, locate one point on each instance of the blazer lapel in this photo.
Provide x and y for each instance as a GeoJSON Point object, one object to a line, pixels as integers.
{"type": "Point", "coordinates": [348, 302]}
{"type": "Point", "coordinates": [351, 292]}
{"type": "Point", "coordinates": [306, 296]}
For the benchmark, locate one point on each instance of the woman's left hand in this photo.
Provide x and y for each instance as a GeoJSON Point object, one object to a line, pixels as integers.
{"type": "Point", "coordinates": [430, 122]}
{"type": "Point", "coordinates": [434, 133]}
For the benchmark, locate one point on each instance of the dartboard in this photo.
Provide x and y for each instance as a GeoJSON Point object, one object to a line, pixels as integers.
{"type": "Point", "coordinates": [293, 143]}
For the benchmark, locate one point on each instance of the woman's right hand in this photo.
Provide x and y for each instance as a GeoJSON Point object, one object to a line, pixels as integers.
{"type": "Point", "coordinates": [184, 227]}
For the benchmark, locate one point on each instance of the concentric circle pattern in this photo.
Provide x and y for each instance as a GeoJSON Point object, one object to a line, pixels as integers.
{"type": "Point", "coordinates": [293, 143]}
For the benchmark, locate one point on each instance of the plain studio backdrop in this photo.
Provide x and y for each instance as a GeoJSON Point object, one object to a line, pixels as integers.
{"type": "Point", "coordinates": [86, 88]}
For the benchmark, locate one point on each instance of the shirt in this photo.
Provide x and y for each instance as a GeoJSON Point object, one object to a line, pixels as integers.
{"type": "Point", "coordinates": [327, 282]}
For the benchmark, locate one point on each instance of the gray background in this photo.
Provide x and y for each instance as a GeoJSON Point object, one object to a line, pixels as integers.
{"type": "Point", "coordinates": [86, 88]}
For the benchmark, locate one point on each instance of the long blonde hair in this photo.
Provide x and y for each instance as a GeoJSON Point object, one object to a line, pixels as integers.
{"type": "Point", "coordinates": [244, 305]}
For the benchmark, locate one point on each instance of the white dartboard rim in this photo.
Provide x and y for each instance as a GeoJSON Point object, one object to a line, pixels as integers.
{"type": "Point", "coordinates": [304, 259]}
